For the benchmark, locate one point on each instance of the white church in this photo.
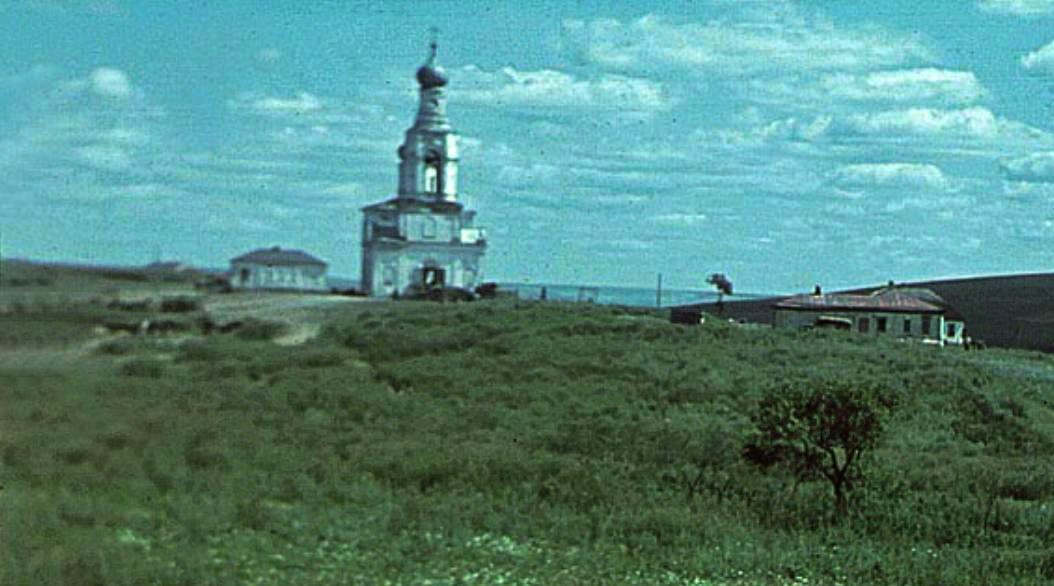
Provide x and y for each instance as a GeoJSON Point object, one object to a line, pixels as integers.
{"type": "Point", "coordinates": [424, 237]}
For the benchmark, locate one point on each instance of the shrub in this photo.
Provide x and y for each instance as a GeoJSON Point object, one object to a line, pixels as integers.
{"type": "Point", "coordinates": [198, 352]}
{"type": "Point", "coordinates": [321, 359]}
{"type": "Point", "coordinates": [179, 305]}
{"type": "Point", "coordinates": [119, 347]}
{"type": "Point", "coordinates": [144, 367]}
{"type": "Point", "coordinates": [261, 330]}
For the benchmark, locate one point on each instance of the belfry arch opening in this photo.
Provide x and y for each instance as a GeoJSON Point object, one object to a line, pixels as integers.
{"type": "Point", "coordinates": [433, 173]}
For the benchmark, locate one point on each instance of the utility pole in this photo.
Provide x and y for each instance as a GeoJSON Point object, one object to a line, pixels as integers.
{"type": "Point", "coordinates": [658, 292]}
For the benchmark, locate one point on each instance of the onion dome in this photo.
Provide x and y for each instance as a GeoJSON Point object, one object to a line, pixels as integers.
{"type": "Point", "coordinates": [431, 75]}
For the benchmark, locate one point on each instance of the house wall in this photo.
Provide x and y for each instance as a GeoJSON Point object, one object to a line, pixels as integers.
{"type": "Point", "coordinates": [798, 319]}
{"type": "Point", "coordinates": [397, 246]}
{"type": "Point", "coordinates": [430, 227]}
{"type": "Point", "coordinates": [387, 271]}
{"type": "Point", "coordinates": [421, 226]}
{"type": "Point", "coordinates": [292, 277]}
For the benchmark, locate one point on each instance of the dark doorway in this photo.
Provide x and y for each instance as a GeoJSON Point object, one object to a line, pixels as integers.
{"type": "Point", "coordinates": [433, 278]}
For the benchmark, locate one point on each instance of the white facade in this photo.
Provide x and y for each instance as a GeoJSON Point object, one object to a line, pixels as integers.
{"type": "Point", "coordinates": [277, 269]}
{"type": "Point", "coordinates": [927, 326]}
{"type": "Point", "coordinates": [423, 237]}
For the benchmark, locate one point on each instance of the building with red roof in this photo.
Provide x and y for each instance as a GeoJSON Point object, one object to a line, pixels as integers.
{"type": "Point", "coordinates": [898, 312]}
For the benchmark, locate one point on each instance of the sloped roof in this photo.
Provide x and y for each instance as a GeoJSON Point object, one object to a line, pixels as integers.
{"type": "Point", "coordinates": [413, 204]}
{"type": "Point", "coordinates": [279, 257]}
{"type": "Point", "coordinates": [920, 293]}
{"type": "Point", "coordinates": [890, 301]}
{"type": "Point", "coordinates": [925, 295]}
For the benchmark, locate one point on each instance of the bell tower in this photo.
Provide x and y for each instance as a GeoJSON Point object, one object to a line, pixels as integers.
{"type": "Point", "coordinates": [428, 157]}
{"type": "Point", "coordinates": [423, 239]}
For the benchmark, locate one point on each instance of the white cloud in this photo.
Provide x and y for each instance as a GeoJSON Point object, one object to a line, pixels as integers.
{"type": "Point", "coordinates": [106, 157]}
{"type": "Point", "coordinates": [125, 136]}
{"type": "Point", "coordinates": [753, 41]}
{"type": "Point", "coordinates": [906, 85]}
{"type": "Point", "coordinates": [790, 129]}
{"type": "Point", "coordinates": [302, 103]}
{"type": "Point", "coordinates": [680, 219]}
{"type": "Point", "coordinates": [1033, 168]}
{"type": "Point", "coordinates": [1041, 60]}
{"type": "Point", "coordinates": [1018, 7]}
{"type": "Point", "coordinates": [548, 88]}
{"type": "Point", "coordinates": [1021, 189]}
{"type": "Point", "coordinates": [63, 7]}
{"type": "Point", "coordinates": [347, 189]}
{"type": "Point", "coordinates": [622, 245]}
{"type": "Point", "coordinates": [70, 145]}
{"type": "Point", "coordinates": [976, 123]}
{"type": "Point", "coordinates": [889, 175]}
{"type": "Point", "coordinates": [110, 82]}
{"type": "Point", "coordinates": [946, 204]}
{"type": "Point", "coordinates": [269, 55]}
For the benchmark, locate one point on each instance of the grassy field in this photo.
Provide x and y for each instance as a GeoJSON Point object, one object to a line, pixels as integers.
{"type": "Point", "coordinates": [503, 443]}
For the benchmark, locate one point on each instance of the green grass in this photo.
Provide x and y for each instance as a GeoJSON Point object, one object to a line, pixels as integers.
{"type": "Point", "coordinates": [514, 443]}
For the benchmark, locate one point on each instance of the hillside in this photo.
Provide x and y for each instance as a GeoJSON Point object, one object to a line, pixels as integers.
{"type": "Point", "coordinates": [1015, 311]}
{"type": "Point", "coordinates": [29, 283]}
{"type": "Point", "coordinates": [506, 442]}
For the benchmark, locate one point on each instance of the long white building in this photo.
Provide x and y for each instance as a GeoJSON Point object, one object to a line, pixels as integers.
{"type": "Point", "coordinates": [278, 269]}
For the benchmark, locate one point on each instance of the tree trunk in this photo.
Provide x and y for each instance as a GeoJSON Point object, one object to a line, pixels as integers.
{"type": "Point", "coordinates": [841, 502]}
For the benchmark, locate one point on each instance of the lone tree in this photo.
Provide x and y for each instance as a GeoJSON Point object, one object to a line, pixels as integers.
{"type": "Point", "coordinates": [820, 430]}
{"type": "Point", "coordinates": [723, 286]}
{"type": "Point", "coordinates": [721, 283]}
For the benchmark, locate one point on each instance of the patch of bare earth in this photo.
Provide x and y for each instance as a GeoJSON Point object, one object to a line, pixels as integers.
{"type": "Point", "coordinates": [303, 315]}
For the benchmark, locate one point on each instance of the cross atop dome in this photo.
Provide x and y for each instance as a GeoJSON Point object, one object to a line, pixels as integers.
{"type": "Point", "coordinates": [431, 75]}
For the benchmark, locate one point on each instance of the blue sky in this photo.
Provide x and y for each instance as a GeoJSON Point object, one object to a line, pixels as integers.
{"type": "Point", "coordinates": [782, 143]}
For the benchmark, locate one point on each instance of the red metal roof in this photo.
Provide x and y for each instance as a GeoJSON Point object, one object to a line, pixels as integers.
{"type": "Point", "coordinates": [891, 301]}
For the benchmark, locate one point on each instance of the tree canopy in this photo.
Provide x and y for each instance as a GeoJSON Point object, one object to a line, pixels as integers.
{"type": "Point", "coordinates": [820, 430]}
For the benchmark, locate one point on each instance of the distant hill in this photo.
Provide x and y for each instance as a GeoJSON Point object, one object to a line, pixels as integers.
{"type": "Point", "coordinates": [33, 276]}
{"type": "Point", "coordinates": [1013, 311]}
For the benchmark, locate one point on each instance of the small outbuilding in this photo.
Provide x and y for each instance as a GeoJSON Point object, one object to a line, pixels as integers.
{"type": "Point", "coordinates": [277, 269]}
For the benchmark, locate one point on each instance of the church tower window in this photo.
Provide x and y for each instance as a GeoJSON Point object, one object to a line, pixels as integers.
{"type": "Point", "coordinates": [431, 180]}
{"type": "Point", "coordinates": [433, 172]}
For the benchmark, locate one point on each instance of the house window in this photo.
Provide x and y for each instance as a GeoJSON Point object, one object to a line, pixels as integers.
{"type": "Point", "coordinates": [951, 330]}
{"type": "Point", "coordinates": [927, 324]}
{"type": "Point", "coordinates": [880, 324]}
{"type": "Point", "coordinates": [907, 325]}
{"type": "Point", "coordinates": [864, 325]}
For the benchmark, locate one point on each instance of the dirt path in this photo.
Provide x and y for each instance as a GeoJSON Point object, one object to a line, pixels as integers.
{"type": "Point", "coordinates": [304, 315]}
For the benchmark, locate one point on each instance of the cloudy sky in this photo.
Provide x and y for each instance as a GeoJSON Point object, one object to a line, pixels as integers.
{"type": "Point", "coordinates": [783, 143]}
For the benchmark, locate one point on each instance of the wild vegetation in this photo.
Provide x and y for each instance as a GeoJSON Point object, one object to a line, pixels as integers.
{"type": "Point", "coordinates": [522, 443]}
